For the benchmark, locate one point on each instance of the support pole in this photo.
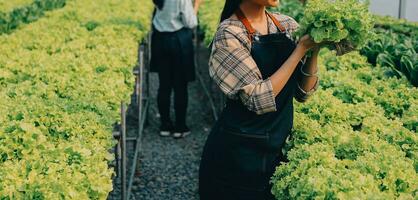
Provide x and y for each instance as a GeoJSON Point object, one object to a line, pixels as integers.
{"type": "Point", "coordinates": [123, 150]}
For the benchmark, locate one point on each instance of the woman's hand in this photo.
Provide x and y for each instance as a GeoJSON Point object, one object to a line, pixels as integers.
{"type": "Point", "coordinates": [306, 43]}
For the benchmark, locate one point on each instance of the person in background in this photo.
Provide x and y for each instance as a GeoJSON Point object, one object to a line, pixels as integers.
{"type": "Point", "coordinates": [172, 56]}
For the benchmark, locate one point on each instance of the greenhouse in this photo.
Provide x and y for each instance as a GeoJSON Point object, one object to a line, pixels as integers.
{"type": "Point", "coordinates": [209, 99]}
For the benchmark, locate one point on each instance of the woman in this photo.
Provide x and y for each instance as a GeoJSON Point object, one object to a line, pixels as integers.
{"type": "Point", "coordinates": [258, 66]}
{"type": "Point", "coordinates": [172, 58]}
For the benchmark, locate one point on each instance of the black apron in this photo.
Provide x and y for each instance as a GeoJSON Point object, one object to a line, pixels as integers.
{"type": "Point", "coordinates": [243, 148]}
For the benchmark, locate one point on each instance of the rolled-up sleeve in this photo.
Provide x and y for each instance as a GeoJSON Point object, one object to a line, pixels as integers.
{"type": "Point", "coordinates": [187, 13]}
{"type": "Point", "coordinates": [235, 72]}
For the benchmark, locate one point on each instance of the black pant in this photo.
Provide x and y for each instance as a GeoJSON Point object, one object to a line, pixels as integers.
{"type": "Point", "coordinates": [172, 77]}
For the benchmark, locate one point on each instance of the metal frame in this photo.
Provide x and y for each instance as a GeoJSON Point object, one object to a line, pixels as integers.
{"type": "Point", "coordinates": [143, 104]}
{"type": "Point", "coordinates": [120, 150]}
{"type": "Point", "coordinates": [123, 147]}
{"type": "Point", "coordinates": [402, 9]}
{"type": "Point", "coordinates": [124, 174]}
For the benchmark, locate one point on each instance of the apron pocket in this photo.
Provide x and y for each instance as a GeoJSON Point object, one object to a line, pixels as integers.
{"type": "Point", "coordinates": [243, 162]}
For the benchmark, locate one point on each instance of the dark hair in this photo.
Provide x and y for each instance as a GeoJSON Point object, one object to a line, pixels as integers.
{"type": "Point", "coordinates": [159, 3]}
{"type": "Point", "coordinates": [229, 9]}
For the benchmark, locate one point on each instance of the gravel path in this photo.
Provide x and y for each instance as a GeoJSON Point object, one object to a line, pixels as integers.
{"type": "Point", "coordinates": [168, 168]}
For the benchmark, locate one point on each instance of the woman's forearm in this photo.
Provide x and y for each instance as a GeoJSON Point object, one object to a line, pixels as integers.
{"type": "Point", "coordinates": [310, 69]}
{"type": "Point", "coordinates": [283, 74]}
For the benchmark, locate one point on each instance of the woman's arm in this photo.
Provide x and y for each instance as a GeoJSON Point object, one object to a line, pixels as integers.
{"type": "Point", "coordinates": [233, 69]}
{"type": "Point", "coordinates": [309, 73]}
{"type": "Point", "coordinates": [283, 74]}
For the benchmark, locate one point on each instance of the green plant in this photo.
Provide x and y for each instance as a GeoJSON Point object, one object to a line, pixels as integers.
{"type": "Point", "coordinates": [337, 21]}
{"type": "Point", "coordinates": [353, 138]}
{"type": "Point", "coordinates": [15, 13]}
{"type": "Point", "coordinates": [209, 14]}
{"type": "Point", "coordinates": [399, 26]}
{"type": "Point", "coordinates": [62, 79]}
{"type": "Point", "coordinates": [7, 6]}
{"type": "Point", "coordinates": [396, 47]}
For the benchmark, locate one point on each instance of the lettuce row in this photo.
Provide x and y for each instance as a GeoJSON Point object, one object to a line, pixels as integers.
{"type": "Point", "coordinates": [61, 82]}
{"type": "Point", "coordinates": [355, 138]}
{"type": "Point", "coordinates": [209, 14]}
{"type": "Point", "coordinates": [14, 13]}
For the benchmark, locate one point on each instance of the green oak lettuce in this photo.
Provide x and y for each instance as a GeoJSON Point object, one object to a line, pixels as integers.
{"type": "Point", "coordinates": [337, 21]}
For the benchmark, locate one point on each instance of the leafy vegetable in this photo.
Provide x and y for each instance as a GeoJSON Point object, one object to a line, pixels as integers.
{"type": "Point", "coordinates": [396, 47]}
{"type": "Point", "coordinates": [353, 138]}
{"type": "Point", "coordinates": [61, 82]}
{"type": "Point", "coordinates": [209, 14]}
{"type": "Point", "coordinates": [337, 21]}
{"type": "Point", "coordinates": [13, 13]}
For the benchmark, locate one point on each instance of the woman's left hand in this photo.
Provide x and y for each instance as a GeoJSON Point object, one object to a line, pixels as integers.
{"type": "Point", "coordinates": [307, 43]}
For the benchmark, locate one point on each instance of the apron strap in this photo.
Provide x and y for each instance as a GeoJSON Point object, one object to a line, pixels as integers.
{"type": "Point", "coordinates": [247, 24]}
{"type": "Point", "coordinates": [276, 22]}
{"type": "Point", "coordinates": [251, 31]}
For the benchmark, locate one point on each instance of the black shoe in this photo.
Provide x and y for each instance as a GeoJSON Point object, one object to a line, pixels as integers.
{"type": "Point", "coordinates": [166, 129]}
{"type": "Point", "coordinates": [181, 132]}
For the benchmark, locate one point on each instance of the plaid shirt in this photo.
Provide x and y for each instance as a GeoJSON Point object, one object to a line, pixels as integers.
{"type": "Point", "coordinates": [233, 69]}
